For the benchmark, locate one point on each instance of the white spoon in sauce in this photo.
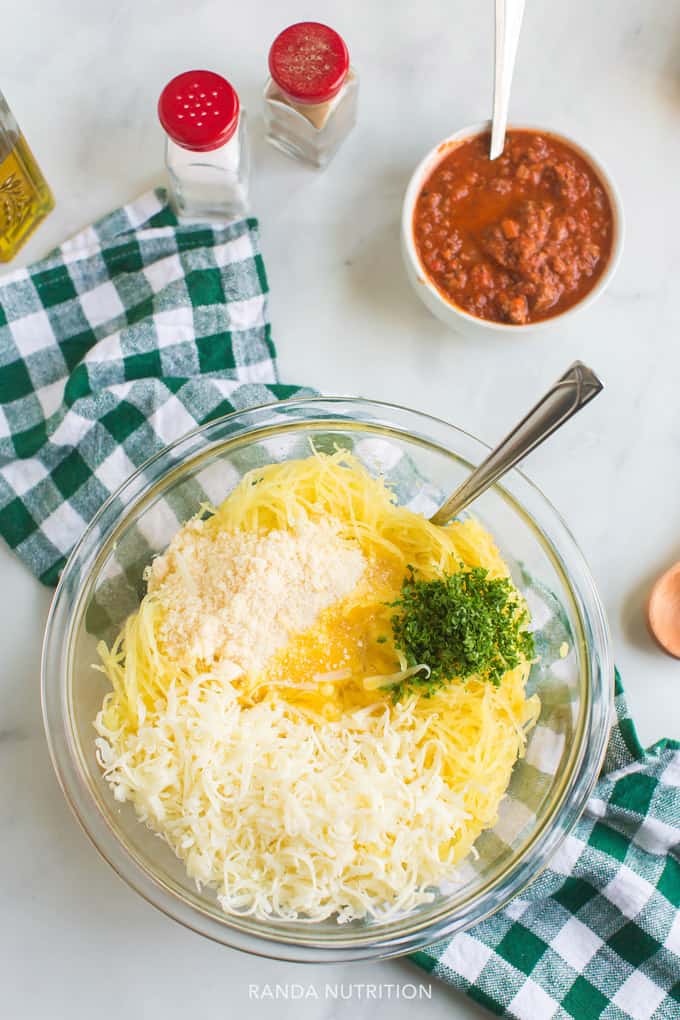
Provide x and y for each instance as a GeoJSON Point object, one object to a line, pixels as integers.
{"type": "Point", "coordinates": [663, 611]}
{"type": "Point", "coordinates": [509, 14]}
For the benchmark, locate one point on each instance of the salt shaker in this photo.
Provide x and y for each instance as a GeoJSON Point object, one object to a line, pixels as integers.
{"type": "Point", "coordinates": [310, 100]}
{"type": "Point", "coordinates": [207, 149]}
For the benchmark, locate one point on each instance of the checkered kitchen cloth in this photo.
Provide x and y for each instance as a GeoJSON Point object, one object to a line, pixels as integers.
{"type": "Point", "coordinates": [126, 337]}
{"type": "Point", "coordinates": [136, 331]}
{"type": "Point", "coordinates": [598, 933]}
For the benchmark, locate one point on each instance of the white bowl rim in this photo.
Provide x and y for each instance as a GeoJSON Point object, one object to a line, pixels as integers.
{"type": "Point", "coordinates": [436, 154]}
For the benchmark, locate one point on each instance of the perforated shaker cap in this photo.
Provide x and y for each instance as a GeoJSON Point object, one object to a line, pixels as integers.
{"type": "Point", "coordinates": [309, 62]}
{"type": "Point", "coordinates": [199, 110]}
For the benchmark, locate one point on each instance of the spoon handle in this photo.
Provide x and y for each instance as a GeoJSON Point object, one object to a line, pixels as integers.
{"type": "Point", "coordinates": [509, 14]}
{"type": "Point", "coordinates": [569, 394]}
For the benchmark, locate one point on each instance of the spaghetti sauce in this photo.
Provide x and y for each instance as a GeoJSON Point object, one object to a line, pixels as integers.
{"type": "Point", "coordinates": [517, 239]}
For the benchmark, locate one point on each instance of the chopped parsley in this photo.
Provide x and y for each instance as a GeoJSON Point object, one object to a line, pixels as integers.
{"type": "Point", "coordinates": [460, 625]}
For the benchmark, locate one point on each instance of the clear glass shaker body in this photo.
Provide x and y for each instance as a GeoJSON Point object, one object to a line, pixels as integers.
{"type": "Point", "coordinates": [210, 185]}
{"type": "Point", "coordinates": [25, 197]}
{"type": "Point", "coordinates": [206, 151]}
{"type": "Point", "coordinates": [311, 133]}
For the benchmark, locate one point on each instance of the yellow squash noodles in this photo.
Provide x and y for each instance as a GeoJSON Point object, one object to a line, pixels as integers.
{"type": "Point", "coordinates": [251, 723]}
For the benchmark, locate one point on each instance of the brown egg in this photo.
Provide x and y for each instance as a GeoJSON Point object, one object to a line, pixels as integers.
{"type": "Point", "coordinates": [663, 611]}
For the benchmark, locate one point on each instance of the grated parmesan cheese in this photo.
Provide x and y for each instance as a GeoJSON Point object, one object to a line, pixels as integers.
{"type": "Point", "coordinates": [236, 596]}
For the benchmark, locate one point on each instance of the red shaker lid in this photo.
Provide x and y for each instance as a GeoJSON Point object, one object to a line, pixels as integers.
{"type": "Point", "coordinates": [199, 110]}
{"type": "Point", "coordinates": [309, 62]}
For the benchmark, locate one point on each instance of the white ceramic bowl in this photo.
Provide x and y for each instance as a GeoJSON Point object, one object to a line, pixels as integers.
{"type": "Point", "coordinates": [428, 293]}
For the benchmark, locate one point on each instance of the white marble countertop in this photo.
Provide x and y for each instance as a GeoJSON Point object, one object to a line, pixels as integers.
{"type": "Point", "coordinates": [83, 79]}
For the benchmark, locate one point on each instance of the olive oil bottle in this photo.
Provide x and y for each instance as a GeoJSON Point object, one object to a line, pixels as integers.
{"type": "Point", "coordinates": [25, 197]}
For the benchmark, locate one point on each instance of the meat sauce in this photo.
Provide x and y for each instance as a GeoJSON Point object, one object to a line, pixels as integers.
{"type": "Point", "coordinates": [518, 239]}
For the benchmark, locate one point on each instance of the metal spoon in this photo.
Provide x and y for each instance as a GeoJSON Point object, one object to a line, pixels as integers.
{"type": "Point", "coordinates": [569, 394]}
{"type": "Point", "coordinates": [509, 14]}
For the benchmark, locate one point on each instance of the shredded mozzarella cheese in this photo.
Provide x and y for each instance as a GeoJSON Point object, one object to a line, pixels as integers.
{"type": "Point", "coordinates": [290, 820]}
{"type": "Point", "coordinates": [300, 790]}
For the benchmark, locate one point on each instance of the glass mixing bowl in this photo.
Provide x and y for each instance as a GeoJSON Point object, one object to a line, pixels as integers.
{"type": "Point", "coordinates": [424, 458]}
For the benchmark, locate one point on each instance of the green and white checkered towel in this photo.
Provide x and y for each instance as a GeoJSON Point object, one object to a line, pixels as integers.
{"type": "Point", "coordinates": [126, 337]}
{"type": "Point", "coordinates": [139, 329]}
{"type": "Point", "coordinates": [598, 933]}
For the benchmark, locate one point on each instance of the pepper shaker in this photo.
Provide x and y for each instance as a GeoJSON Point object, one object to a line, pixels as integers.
{"type": "Point", "coordinates": [310, 100]}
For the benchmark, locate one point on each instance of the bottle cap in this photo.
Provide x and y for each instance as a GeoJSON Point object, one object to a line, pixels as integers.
{"type": "Point", "coordinates": [199, 110]}
{"type": "Point", "coordinates": [309, 62]}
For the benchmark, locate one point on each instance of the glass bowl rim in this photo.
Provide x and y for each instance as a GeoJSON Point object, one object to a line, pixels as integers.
{"type": "Point", "coordinates": [534, 854]}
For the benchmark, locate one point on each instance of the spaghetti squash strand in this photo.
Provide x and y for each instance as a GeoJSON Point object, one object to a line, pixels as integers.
{"type": "Point", "coordinates": [303, 791]}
